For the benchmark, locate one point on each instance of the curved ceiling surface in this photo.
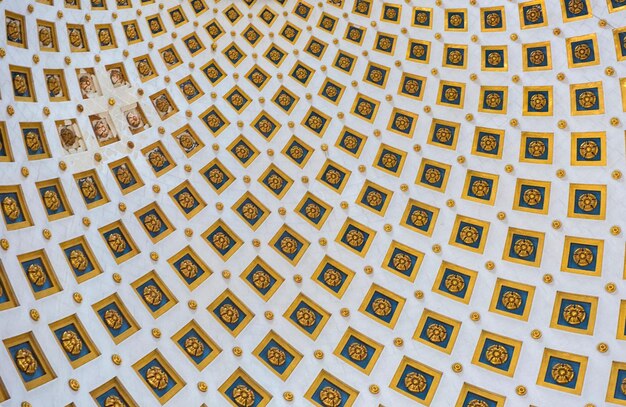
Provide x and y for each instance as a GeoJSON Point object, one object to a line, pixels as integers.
{"type": "Point", "coordinates": [343, 203]}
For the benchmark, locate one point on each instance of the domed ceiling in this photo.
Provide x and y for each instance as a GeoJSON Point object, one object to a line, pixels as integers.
{"type": "Point", "coordinates": [343, 203]}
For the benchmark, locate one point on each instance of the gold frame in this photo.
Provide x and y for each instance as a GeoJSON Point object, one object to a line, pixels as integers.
{"type": "Point", "coordinates": [497, 293]}
{"type": "Point", "coordinates": [197, 87]}
{"type": "Point", "coordinates": [431, 222]}
{"type": "Point", "coordinates": [599, 244]}
{"type": "Point", "coordinates": [93, 174]}
{"type": "Point", "coordinates": [430, 391]}
{"type": "Point", "coordinates": [540, 236]}
{"type": "Point", "coordinates": [114, 299]}
{"type": "Point", "coordinates": [239, 373]}
{"type": "Point", "coordinates": [446, 167]}
{"type": "Point", "coordinates": [134, 250]}
{"type": "Point", "coordinates": [580, 377]}
{"type": "Point", "coordinates": [93, 260]}
{"type": "Point", "coordinates": [345, 172]}
{"type": "Point", "coordinates": [297, 356]}
{"type": "Point", "coordinates": [259, 262]}
{"type": "Point", "coordinates": [25, 71]}
{"type": "Point", "coordinates": [28, 220]}
{"type": "Point", "coordinates": [467, 388]}
{"type": "Point", "coordinates": [259, 221]}
{"type": "Point", "coordinates": [48, 270]}
{"type": "Point", "coordinates": [82, 334]}
{"type": "Point", "coordinates": [7, 289]}
{"type": "Point", "coordinates": [125, 161]}
{"type": "Point", "coordinates": [213, 109]}
{"type": "Point", "coordinates": [456, 326]}
{"type": "Point", "coordinates": [527, 89]}
{"type": "Point", "coordinates": [471, 274]}
{"type": "Point", "coordinates": [169, 370]}
{"type": "Point", "coordinates": [325, 315]}
{"type": "Point", "coordinates": [483, 25]}
{"type": "Point", "coordinates": [30, 339]}
{"type": "Point", "coordinates": [113, 383]}
{"type": "Point", "coordinates": [216, 350]}
{"type": "Point", "coordinates": [298, 237]}
{"type": "Point", "coordinates": [307, 147]}
{"type": "Point", "coordinates": [357, 225]}
{"type": "Point", "coordinates": [55, 182]}
{"type": "Point", "coordinates": [592, 134]}
{"type": "Point", "coordinates": [480, 347]}
{"type": "Point", "coordinates": [161, 286]}
{"type": "Point", "coordinates": [227, 294]}
{"type": "Point", "coordinates": [327, 209]}
{"type": "Point", "coordinates": [546, 185]}
{"type": "Point", "coordinates": [494, 178]}
{"type": "Point", "coordinates": [353, 394]}
{"type": "Point", "coordinates": [561, 296]}
{"type": "Point", "coordinates": [188, 250]}
{"type": "Point", "coordinates": [60, 73]}
{"type": "Point", "coordinates": [483, 94]}
{"type": "Point", "coordinates": [601, 189]}
{"type": "Point", "coordinates": [222, 168]}
{"type": "Point", "coordinates": [474, 222]}
{"type": "Point", "coordinates": [353, 333]}
{"type": "Point", "coordinates": [231, 235]}
{"type": "Point", "coordinates": [335, 264]}
{"type": "Point", "coordinates": [574, 102]}
{"type": "Point", "coordinates": [594, 41]}
{"type": "Point", "coordinates": [384, 191]}
{"type": "Point", "coordinates": [169, 227]}
{"type": "Point", "coordinates": [375, 288]}
{"type": "Point", "coordinates": [407, 249]}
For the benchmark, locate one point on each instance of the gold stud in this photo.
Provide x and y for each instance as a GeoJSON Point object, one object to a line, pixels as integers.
{"type": "Point", "coordinates": [515, 78]}
{"type": "Point", "coordinates": [237, 351]}
{"type": "Point", "coordinates": [535, 334]}
{"type": "Point", "coordinates": [226, 274]}
{"type": "Point", "coordinates": [602, 347]}
{"type": "Point", "coordinates": [475, 316]}
{"type": "Point", "coordinates": [560, 76]}
{"type": "Point", "coordinates": [617, 174]}
{"type": "Point", "coordinates": [4, 243]}
{"type": "Point", "coordinates": [78, 298]}
{"type": "Point", "coordinates": [202, 386]}
{"type": "Point", "coordinates": [282, 211]}
{"type": "Point", "coordinates": [188, 232]}
{"type": "Point", "coordinates": [560, 173]}
{"type": "Point", "coordinates": [398, 342]}
{"type": "Point", "coordinates": [514, 122]}
{"type": "Point", "coordinates": [297, 278]}
{"type": "Point", "coordinates": [288, 396]}
{"type": "Point", "coordinates": [25, 172]}
{"type": "Point", "coordinates": [556, 224]}
{"type": "Point", "coordinates": [322, 241]}
{"type": "Point", "coordinates": [609, 71]}
{"type": "Point", "coordinates": [74, 385]}
{"type": "Point", "coordinates": [269, 315]}
{"type": "Point", "coordinates": [610, 288]}
{"type": "Point", "coordinates": [457, 367]}
{"type": "Point", "coordinates": [343, 205]}
{"type": "Point", "coordinates": [556, 31]}
{"type": "Point", "coordinates": [520, 390]}
{"type": "Point", "coordinates": [490, 265]}
{"type": "Point", "coordinates": [256, 242]}
{"type": "Point", "coordinates": [388, 227]}
{"type": "Point", "coordinates": [117, 277]}
{"type": "Point", "coordinates": [436, 248]}
{"type": "Point", "coordinates": [508, 168]}
{"type": "Point", "coordinates": [614, 121]}
{"type": "Point", "coordinates": [469, 117]}
{"type": "Point", "coordinates": [450, 203]}
{"type": "Point", "coordinates": [368, 269]}
{"type": "Point", "coordinates": [345, 312]}
{"type": "Point", "coordinates": [419, 294]}
{"type": "Point", "coordinates": [562, 124]}
{"type": "Point", "coordinates": [156, 332]}
{"type": "Point", "coordinates": [192, 304]}
{"type": "Point", "coordinates": [34, 314]}
{"type": "Point", "coordinates": [460, 159]}
{"type": "Point", "coordinates": [86, 221]}
{"type": "Point", "coordinates": [404, 187]}
{"type": "Point", "coordinates": [547, 278]}
{"type": "Point", "coordinates": [116, 359]}
{"type": "Point", "coordinates": [374, 389]}
{"type": "Point", "coordinates": [513, 37]}
{"type": "Point", "coordinates": [501, 215]}
{"type": "Point", "coordinates": [616, 230]}
{"type": "Point", "coordinates": [219, 206]}
{"type": "Point", "coordinates": [318, 354]}
{"type": "Point", "coordinates": [154, 256]}
{"type": "Point", "coordinates": [122, 206]}
{"type": "Point", "coordinates": [62, 165]}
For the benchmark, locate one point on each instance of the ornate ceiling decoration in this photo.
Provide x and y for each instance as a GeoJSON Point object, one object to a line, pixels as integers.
{"type": "Point", "coordinates": [348, 203]}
